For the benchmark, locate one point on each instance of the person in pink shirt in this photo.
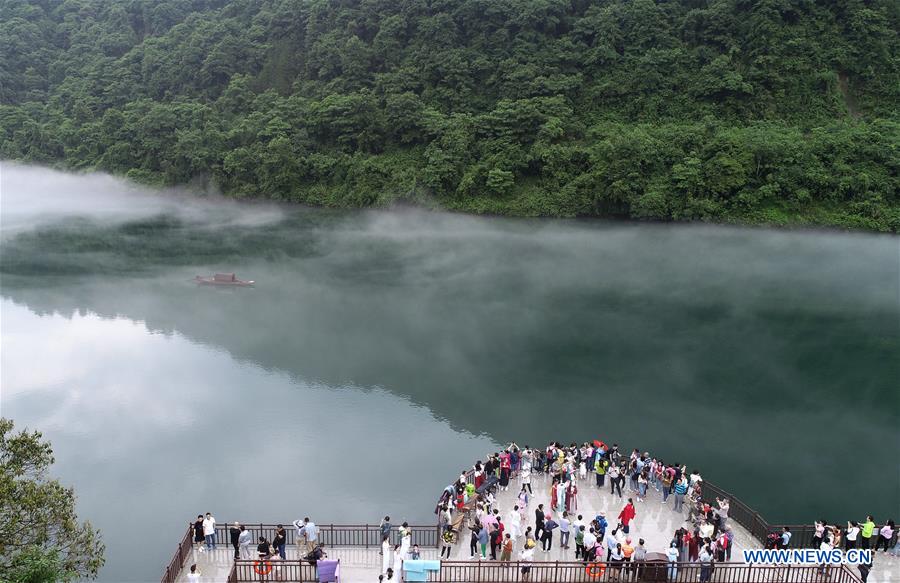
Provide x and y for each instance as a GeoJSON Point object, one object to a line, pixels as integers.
{"type": "Point", "coordinates": [885, 535]}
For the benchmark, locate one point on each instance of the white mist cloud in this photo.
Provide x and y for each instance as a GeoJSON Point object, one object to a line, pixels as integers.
{"type": "Point", "coordinates": [31, 196]}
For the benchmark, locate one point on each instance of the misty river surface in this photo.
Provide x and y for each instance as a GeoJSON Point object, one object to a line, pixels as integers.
{"type": "Point", "coordinates": [381, 352]}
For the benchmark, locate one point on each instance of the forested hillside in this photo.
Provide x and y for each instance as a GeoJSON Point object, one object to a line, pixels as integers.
{"type": "Point", "coordinates": [758, 111]}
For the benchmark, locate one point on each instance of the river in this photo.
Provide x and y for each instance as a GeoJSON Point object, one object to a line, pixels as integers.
{"type": "Point", "coordinates": [381, 352]}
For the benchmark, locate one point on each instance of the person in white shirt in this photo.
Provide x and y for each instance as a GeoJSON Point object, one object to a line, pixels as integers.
{"type": "Point", "coordinates": [590, 541]}
{"type": "Point", "coordinates": [527, 556]}
{"type": "Point", "coordinates": [209, 531]}
{"type": "Point", "coordinates": [194, 575]}
{"type": "Point", "coordinates": [525, 477]}
{"type": "Point", "coordinates": [852, 535]}
{"type": "Point", "coordinates": [514, 522]}
{"type": "Point", "coordinates": [398, 562]}
{"type": "Point", "coordinates": [244, 540]}
{"type": "Point", "coordinates": [695, 478]}
{"type": "Point", "coordinates": [705, 564]}
{"type": "Point", "coordinates": [672, 556]}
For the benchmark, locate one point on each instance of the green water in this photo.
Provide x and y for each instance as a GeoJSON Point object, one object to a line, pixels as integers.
{"type": "Point", "coordinates": [381, 352]}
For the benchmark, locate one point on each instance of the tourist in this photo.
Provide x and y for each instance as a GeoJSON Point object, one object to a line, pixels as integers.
{"type": "Point", "coordinates": [478, 474]}
{"type": "Point", "coordinates": [244, 541]}
{"type": "Point", "coordinates": [446, 543]}
{"type": "Point", "coordinates": [415, 554]}
{"type": "Point", "coordinates": [616, 558]}
{"type": "Point", "coordinates": [818, 533]}
{"type": "Point", "coordinates": [627, 515]}
{"type": "Point", "coordinates": [209, 531]}
{"type": "Point", "coordinates": [642, 485]}
{"type": "Point", "coordinates": [198, 532]}
{"type": "Point", "coordinates": [601, 524]}
{"type": "Point", "coordinates": [514, 520]}
{"type": "Point", "coordinates": [506, 552]}
{"type": "Point", "coordinates": [706, 530]}
{"type": "Point", "coordinates": [885, 536]}
{"type": "Point", "coordinates": [547, 536]}
{"type": "Point", "coordinates": [483, 540]}
{"type": "Point", "coordinates": [405, 539]}
{"type": "Point", "coordinates": [868, 527]}
{"type": "Point", "coordinates": [627, 552]}
{"type": "Point", "coordinates": [526, 557]}
{"type": "Point", "coordinates": [398, 562]}
{"type": "Point", "coordinates": [194, 575]}
{"type": "Point", "coordinates": [705, 564]}
{"type": "Point", "coordinates": [496, 540]}
{"type": "Point", "coordinates": [668, 478]}
{"type": "Point", "coordinates": [785, 539]}
{"type": "Point", "coordinates": [600, 470]}
{"type": "Point", "coordinates": [473, 540]}
{"type": "Point", "coordinates": [613, 474]}
{"type": "Point", "coordinates": [523, 495]}
{"type": "Point", "coordinates": [864, 570]}
{"type": "Point", "coordinates": [262, 549]}
{"type": "Point", "coordinates": [385, 527]}
{"type": "Point", "coordinates": [672, 556]}
{"type": "Point", "coordinates": [529, 536]}
{"type": "Point", "coordinates": [694, 541]}
{"type": "Point", "coordinates": [386, 552]}
{"type": "Point", "coordinates": [235, 532]}
{"type": "Point", "coordinates": [505, 469]}
{"type": "Point", "coordinates": [639, 557]}
{"type": "Point", "coordinates": [835, 536]}
{"type": "Point", "coordinates": [564, 530]}
{"type": "Point", "coordinates": [280, 541]}
{"type": "Point", "coordinates": [589, 552]}
{"type": "Point", "coordinates": [680, 491]}
{"type": "Point", "coordinates": [611, 542]}
{"type": "Point", "coordinates": [852, 535]}
{"type": "Point", "coordinates": [826, 547]}
{"type": "Point", "coordinates": [307, 532]}
{"type": "Point", "coordinates": [729, 536]}
{"type": "Point", "coordinates": [721, 546]}
{"type": "Point", "coordinates": [579, 542]}
{"type": "Point", "coordinates": [538, 521]}
{"type": "Point", "coordinates": [722, 513]}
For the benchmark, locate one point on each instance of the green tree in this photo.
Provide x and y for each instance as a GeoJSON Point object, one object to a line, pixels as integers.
{"type": "Point", "coordinates": [41, 538]}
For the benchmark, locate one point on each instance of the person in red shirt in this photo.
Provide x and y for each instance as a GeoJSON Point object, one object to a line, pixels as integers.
{"type": "Point", "coordinates": [627, 515]}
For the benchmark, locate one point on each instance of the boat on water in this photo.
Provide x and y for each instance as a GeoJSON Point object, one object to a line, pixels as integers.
{"type": "Point", "coordinates": [228, 279]}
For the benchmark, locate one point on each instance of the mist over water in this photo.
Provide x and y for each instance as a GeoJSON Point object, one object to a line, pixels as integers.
{"type": "Point", "coordinates": [382, 351]}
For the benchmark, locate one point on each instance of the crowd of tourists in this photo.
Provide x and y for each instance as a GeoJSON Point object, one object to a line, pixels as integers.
{"type": "Point", "coordinates": [505, 534]}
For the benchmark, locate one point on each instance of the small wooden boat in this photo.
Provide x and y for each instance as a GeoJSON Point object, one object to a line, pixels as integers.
{"type": "Point", "coordinates": [222, 279]}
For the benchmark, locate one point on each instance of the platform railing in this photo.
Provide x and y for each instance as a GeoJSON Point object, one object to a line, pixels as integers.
{"type": "Point", "coordinates": [656, 571]}
{"type": "Point", "coordinates": [335, 535]}
{"type": "Point", "coordinates": [759, 528]}
{"type": "Point", "coordinates": [369, 536]}
{"type": "Point", "coordinates": [570, 572]}
{"type": "Point", "coordinates": [182, 552]}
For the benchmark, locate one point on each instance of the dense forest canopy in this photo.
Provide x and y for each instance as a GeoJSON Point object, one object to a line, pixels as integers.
{"type": "Point", "coordinates": [775, 111]}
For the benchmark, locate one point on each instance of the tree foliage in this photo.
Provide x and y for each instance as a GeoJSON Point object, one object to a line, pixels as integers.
{"type": "Point", "coordinates": [41, 538]}
{"type": "Point", "coordinates": [777, 111]}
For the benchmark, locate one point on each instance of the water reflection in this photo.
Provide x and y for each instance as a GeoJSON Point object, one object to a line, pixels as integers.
{"type": "Point", "coordinates": [152, 429]}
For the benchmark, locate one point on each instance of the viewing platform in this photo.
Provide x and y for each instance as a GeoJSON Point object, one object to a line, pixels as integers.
{"type": "Point", "coordinates": [358, 546]}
